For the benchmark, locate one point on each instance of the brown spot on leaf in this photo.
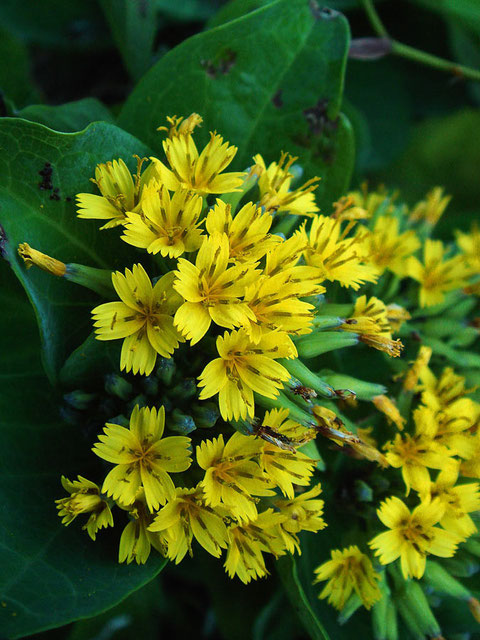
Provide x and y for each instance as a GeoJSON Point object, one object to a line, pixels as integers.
{"type": "Point", "coordinates": [321, 13]}
{"type": "Point", "coordinates": [46, 173]}
{"type": "Point", "coordinates": [277, 99]}
{"type": "Point", "coordinates": [222, 65]}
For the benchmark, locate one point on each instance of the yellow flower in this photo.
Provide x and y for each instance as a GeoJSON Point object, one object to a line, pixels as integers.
{"type": "Point", "coordinates": [180, 126]}
{"type": "Point", "coordinates": [143, 318]}
{"type": "Point", "coordinates": [245, 366]}
{"type": "Point", "coordinates": [412, 536]}
{"type": "Point", "coordinates": [194, 171]}
{"type": "Point", "coordinates": [369, 317]}
{"type": "Point", "coordinates": [41, 260]}
{"type": "Point", "coordinates": [248, 232]}
{"type": "Point", "coordinates": [386, 247]}
{"type": "Point", "coordinates": [275, 194]}
{"type": "Point", "coordinates": [413, 374]}
{"type": "Point", "coordinates": [274, 301]}
{"type": "Point", "coordinates": [396, 316]}
{"type": "Point", "coordinates": [348, 571]}
{"type": "Point", "coordinates": [371, 201]}
{"type": "Point", "coordinates": [84, 498]}
{"type": "Point", "coordinates": [440, 392]}
{"type": "Point", "coordinates": [415, 453]}
{"type": "Point", "coordinates": [455, 424]}
{"type": "Point", "coordinates": [284, 468]}
{"type": "Point", "coordinates": [459, 500]}
{"type": "Point", "coordinates": [136, 540]}
{"type": "Point", "coordinates": [470, 467]}
{"type": "Point", "coordinates": [212, 290]}
{"type": "Point", "coordinates": [339, 257]}
{"type": "Point", "coordinates": [431, 209]}
{"type": "Point", "coordinates": [185, 517]}
{"type": "Point", "coordinates": [390, 410]}
{"type": "Point", "coordinates": [437, 275]}
{"type": "Point", "coordinates": [346, 209]}
{"type": "Point", "coordinates": [248, 542]}
{"type": "Point", "coordinates": [231, 476]}
{"type": "Point", "coordinates": [469, 243]}
{"type": "Point", "coordinates": [120, 192]}
{"type": "Point", "coordinates": [142, 458]}
{"type": "Point", "coordinates": [301, 513]}
{"type": "Point", "coordinates": [165, 225]}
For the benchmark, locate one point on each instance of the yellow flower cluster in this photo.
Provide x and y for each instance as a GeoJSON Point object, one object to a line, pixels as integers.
{"type": "Point", "coordinates": [220, 512]}
{"type": "Point", "coordinates": [246, 304]}
{"type": "Point", "coordinates": [445, 439]}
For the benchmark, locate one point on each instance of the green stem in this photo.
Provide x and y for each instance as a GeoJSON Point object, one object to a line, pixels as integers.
{"type": "Point", "coordinates": [405, 51]}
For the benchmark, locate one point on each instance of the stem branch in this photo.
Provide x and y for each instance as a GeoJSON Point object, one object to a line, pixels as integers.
{"type": "Point", "coordinates": [405, 51]}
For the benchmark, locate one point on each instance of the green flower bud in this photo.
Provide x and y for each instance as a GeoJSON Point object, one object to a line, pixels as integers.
{"type": "Point", "coordinates": [314, 344]}
{"type": "Point", "coordinates": [79, 399]}
{"type": "Point", "coordinates": [115, 385]}
{"type": "Point", "coordinates": [166, 370]}
{"type": "Point", "coordinates": [181, 423]}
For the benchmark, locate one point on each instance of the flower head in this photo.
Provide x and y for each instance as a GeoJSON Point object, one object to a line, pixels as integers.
{"type": "Point", "coordinates": [185, 517]}
{"type": "Point", "coordinates": [245, 366]}
{"type": "Point", "coordinates": [143, 318]}
{"type": "Point", "coordinates": [248, 231]}
{"type": "Point", "coordinates": [166, 225]}
{"type": "Point", "coordinates": [415, 454]}
{"type": "Point", "coordinates": [248, 542]}
{"type": "Point", "coordinates": [341, 258]}
{"type": "Point", "coordinates": [437, 275]}
{"type": "Point", "coordinates": [201, 173]}
{"type": "Point", "coordinates": [142, 458]}
{"type": "Point", "coordinates": [469, 244]}
{"type": "Point", "coordinates": [275, 192]}
{"type": "Point", "coordinates": [459, 500]}
{"type": "Point", "coordinates": [120, 192]}
{"type": "Point", "coordinates": [283, 467]}
{"type": "Point", "coordinates": [431, 209]}
{"type": "Point", "coordinates": [349, 570]}
{"type": "Point", "coordinates": [232, 478]}
{"type": "Point", "coordinates": [303, 512]}
{"type": "Point", "coordinates": [386, 247]}
{"type": "Point", "coordinates": [413, 536]}
{"type": "Point", "coordinates": [137, 540]}
{"type": "Point", "coordinates": [84, 498]}
{"type": "Point", "coordinates": [212, 290]}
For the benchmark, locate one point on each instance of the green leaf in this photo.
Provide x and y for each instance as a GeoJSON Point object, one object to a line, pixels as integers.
{"type": "Point", "coordinates": [68, 117]}
{"type": "Point", "coordinates": [287, 569]}
{"type": "Point", "coordinates": [133, 26]}
{"type": "Point", "coordinates": [238, 8]}
{"type": "Point", "coordinates": [29, 214]}
{"type": "Point", "coordinates": [74, 24]}
{"type": "Point", "coordinates": [88, 364]}
{"type": "Point", "coordinates": [463, 9]}
{"type": "Point", "coordinates": [442, 151]}
{"type": "Point", "coordinates": [269, 81]}
{"type": "Point", "coordinates": [187, 10]}
{"type": "Point", "coordinates": [50, 574]}
{"type": "Point", "coordinates": [16, 81]}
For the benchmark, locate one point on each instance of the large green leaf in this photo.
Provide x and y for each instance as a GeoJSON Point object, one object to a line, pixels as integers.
{"type": "Point", "coordinates": [133, 26]}
{"type": "Point", "coordinates": [29, 214]}
{"type": "Point", "coordinates": [68, 117]}
{"type": "Point", "coordinates": [16, 82]}
{"type": "Point", "coordinates": [237, 8]}
{"type": "Point", "coordinates": [442, 151]}
{"type": "Point", "coordinates": [287, 569]}
{"type": "Point", "coordinates": [269, 81]}
{"type": "Point", "coordinates": [50, 574]}
{"type": "Point", "coordinates": [51, 23]}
